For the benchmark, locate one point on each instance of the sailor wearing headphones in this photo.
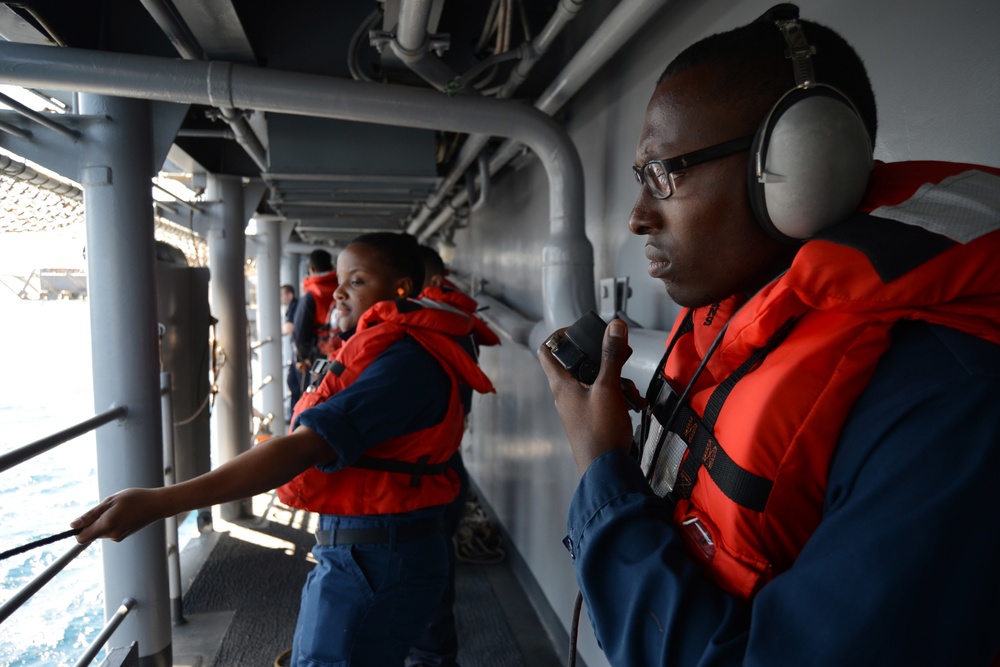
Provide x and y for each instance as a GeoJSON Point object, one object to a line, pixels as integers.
{"type": "Point", "coordinates": [814, 480]}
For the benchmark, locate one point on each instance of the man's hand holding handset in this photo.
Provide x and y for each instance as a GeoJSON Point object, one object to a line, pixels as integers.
{"type": "Point", "coordinates": [583, 364]}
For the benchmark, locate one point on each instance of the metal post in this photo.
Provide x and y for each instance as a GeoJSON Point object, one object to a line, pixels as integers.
{"type": "Point", "coordinates": [121, 257]}
{"type": "Point", "coordinates": [170, 478]}
{"type": "Point", "coordinates": [290, 270]}
{"type": "Point", "coordinates": [269, 315]}
{"type": "Point", "coordinates": [226, 254]}
{"type": "Point", "coordinates": [289, 276]}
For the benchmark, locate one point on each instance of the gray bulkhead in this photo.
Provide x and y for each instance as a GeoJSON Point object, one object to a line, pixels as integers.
{"type": "Point", "coordinates": [935, 68]}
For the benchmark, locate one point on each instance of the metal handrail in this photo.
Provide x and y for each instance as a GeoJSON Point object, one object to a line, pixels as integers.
{"type": "Point", "coordinates": [22, 454]}
{"type": "Point", "coordinates": [263, 383]}
{"type": "Point", "coordinates": [261, 343]}
{"type": "Point", "coordinates": [39, 118]}
{"type": "Point", "coordinates": [32, 587]}
{"type": "Point", "coordinates": [102, 638]}
{"type": "Point", "coordinates": [15, 130]}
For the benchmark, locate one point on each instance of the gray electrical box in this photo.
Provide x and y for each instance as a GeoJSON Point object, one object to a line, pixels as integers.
{"type": "Point", "coordinates": [182, 309]}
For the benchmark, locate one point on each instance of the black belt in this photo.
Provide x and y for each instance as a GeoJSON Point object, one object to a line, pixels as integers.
{"type": "Point", "coordinates": [402, 532]}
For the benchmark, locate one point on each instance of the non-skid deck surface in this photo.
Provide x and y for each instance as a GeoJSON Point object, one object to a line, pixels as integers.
{"type": "Point", "coordinates": [256, 571]}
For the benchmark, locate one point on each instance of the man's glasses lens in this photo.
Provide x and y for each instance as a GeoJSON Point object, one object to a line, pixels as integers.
{"type": "Point", "coordinates": [657, 176]}
{"type": "Point", "coordinates": [654, 177]}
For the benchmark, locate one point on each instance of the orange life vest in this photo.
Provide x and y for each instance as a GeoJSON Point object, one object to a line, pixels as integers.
{"type": "Point", "coordinates": [760, 421]}
{"type": "Point", "coordinates": [481, 331]}
{"type": "Point", "coordinates": [322, 286]}
{"type": "Point", "coordinates": [410, 471]}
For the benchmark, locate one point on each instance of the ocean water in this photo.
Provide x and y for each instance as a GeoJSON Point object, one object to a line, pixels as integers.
{"type": "Point", "coordinates": [45, 386]}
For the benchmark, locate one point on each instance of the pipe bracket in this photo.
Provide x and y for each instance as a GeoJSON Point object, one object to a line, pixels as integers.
{"type": "Point", "coordinates": [220, 84]}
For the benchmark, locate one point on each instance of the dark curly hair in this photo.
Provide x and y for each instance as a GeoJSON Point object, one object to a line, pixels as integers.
{"type": "Point", "coordinates": [320, 261]}
{"type": "Point", "coordinates": [753, 71]}
{"type": "Point", "coordinates": [401, 252]}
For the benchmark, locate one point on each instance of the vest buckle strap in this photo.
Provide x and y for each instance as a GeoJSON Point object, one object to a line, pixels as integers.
{"type": "Point", "coordinates": [320, 367]}
{"type": "Point", "coordinates": [705, 452]}
{"type": "Point", "coordinates": [415, 469]}
{"type": "Point", "coordinates": [663, 450]}
{"type": "Point", "coordinates": [681, 444]}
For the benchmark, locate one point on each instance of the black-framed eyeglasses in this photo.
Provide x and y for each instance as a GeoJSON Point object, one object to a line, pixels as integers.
{"type": "Point", "coordinates": [658, 175]}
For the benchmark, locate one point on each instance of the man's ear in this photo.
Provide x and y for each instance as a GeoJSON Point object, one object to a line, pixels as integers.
{"type": "Point", "coordinates": [437, 280]}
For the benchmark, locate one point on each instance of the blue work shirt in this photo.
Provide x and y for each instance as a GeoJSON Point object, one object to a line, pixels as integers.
{"type": "Point", "coordinates": [402, 391]}
{"type": "Point", "coordinates": [304, 327]}
{"type": "Point", "coordinates": [902, 569]}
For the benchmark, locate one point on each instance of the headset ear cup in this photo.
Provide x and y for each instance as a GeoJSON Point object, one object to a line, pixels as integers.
{"type": "Point", "coordinates": [810, 163]}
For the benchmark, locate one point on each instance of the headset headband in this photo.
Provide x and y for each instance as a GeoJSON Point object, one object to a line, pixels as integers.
{"type": "Point", "coordinates": [799, 50]}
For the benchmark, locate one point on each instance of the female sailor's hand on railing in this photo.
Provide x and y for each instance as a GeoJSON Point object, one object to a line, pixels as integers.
{"type": "Point", "coordinates": [596, 417]}
{"type": "Point", "coordinates": [119, 515]}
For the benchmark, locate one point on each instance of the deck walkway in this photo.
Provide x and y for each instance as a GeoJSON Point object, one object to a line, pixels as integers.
{"type": "Point", "coordinates": [242, 598]}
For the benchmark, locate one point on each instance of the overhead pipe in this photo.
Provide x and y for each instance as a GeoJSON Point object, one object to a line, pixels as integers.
{"type": "Point", "coordinates": [245, 136]}
{"type": "Point", "coordinates": [353, 64]}
{"type": "Point", "coordinates": [207, 134]}
{"type": "Point", "coordinates": [621, 24]}
{"type": "Point", "coordinates": [166, 17]}
{"type": "Point", "coordinates": [564, 14]}
{"type": "Point", "coordinates": [474, 145]}
{"type": "Point", "coordinates": [617, 29]}
{"type": "Point", "coordinates": [567, 257]}
{"type": "Point", "coordinates": [484, 183]}
{"type": "Point", "coordinates": [412, 45]}
{"type": "Point", "coordinates": [411, 28]}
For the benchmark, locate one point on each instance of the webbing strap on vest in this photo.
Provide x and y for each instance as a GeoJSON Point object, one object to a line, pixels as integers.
{"type": "Point", "coordinates": [415, 469]}
{"type": "Point", "coordinates": [739, 485]}
{"type": "Point", "coordinates": [657, 382]}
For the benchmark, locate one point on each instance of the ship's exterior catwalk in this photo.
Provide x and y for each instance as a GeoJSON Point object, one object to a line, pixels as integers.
{"type": "Point", "coordinates": [245, 579]}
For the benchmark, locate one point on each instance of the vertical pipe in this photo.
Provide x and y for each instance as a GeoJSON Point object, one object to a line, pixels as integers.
{"type": "Point", "coordinates": [411, 29]}
{"type": "Point", "coordinates": [289, 276]}
{"type": "Point", "coordinates": [226, 252]}
{"type": "Point", "coordinates": [269, 315]}
{"type": "Point", "coordinates": [170, 478]}
{"type": "Point", "coordinates": [290, 270]}
{"type": "Point", "coordinates": [121, 259]}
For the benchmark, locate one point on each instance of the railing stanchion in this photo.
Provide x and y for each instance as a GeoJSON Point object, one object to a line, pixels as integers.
{"type": "Point", "coordinates": [169, 478]}
{"type": "Point", "coordinates": [126, 606]}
